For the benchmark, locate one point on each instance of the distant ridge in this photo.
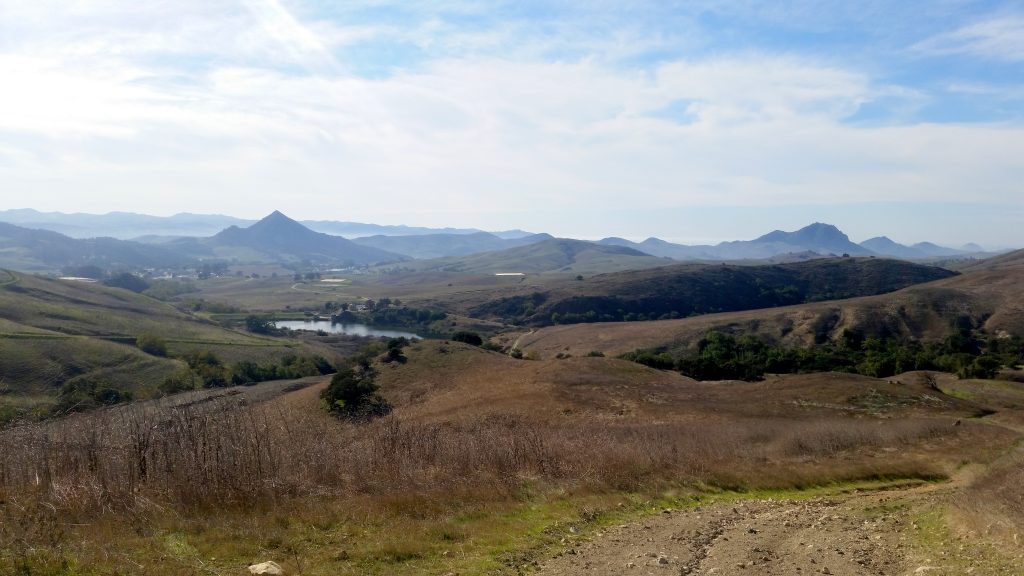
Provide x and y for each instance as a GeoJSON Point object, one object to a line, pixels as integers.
{"type": "Point", "coordinates": [681, 290]}
{"type": "Point", "coordinates": [887, 247]}
{"type": "Point", "coordinates": [130, 225]}
{"type": "Point", "coordinates": [189, 234]}
{"type": "Point", "coordinates": [920, 251]}
{"type": "Point", "coordinates": [818, 237]}
{"type": "Point", "coordinates": [33, 250]}
{"type": "Point", "coordinates": [283, 238]}
{"type": "Point", "coordinates": [444, 245]}
{"type": "Point", "coordinates": [552, 255]}
{"type": "Point", "coordinates": [822, 239]}
{"type": "Point", "coordinates": [121, 225]}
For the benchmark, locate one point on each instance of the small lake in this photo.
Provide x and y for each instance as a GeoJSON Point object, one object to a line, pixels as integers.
{"type": "Point", "coordinates": [340, 328]}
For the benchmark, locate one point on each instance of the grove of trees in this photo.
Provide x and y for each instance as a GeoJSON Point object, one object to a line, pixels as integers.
{"type": "Point", "coordinates": [720, 356]}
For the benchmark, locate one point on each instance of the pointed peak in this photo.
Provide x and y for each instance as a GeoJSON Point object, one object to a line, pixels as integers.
{"type": "Point", "coordinates": [819, 226]}
{"type": "Point", "coordinates": [276, 219]}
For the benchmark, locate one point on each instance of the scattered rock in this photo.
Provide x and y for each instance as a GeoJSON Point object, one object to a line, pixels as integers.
{"type": "Point", "coordinates": [269, 568]}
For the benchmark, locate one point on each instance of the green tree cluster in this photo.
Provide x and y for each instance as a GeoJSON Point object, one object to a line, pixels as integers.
{"type": "Point", "coordinates": [127, 281]}
{"type": "Point", "coordinates": [471, 338]}
{"type": "Point", "coordinates": [151, 344]}
{"type": "Point", "coordinates": [352, 393]}
{"type": "Point", "coordinates": [86, 394]}
{"type": "Point", "coordinates": [210, 372]}
{"type": "Point", "coordinates": [720, 356]}
{"type": "Point", "coordinates": [403, 316]}
{"type": "Point", "coordinates": [259, 324]}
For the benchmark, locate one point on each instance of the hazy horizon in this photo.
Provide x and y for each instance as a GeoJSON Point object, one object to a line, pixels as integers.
{"type": "Point", "coordinates": [690, 240]}
{"type": "Point", "coordinates": [695, 122]}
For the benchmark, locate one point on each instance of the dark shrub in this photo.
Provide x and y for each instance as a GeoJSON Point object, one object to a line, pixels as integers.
{"type": "Point", "coordinates": [471, 338]}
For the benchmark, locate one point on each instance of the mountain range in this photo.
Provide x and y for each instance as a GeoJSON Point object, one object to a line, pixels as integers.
{"type": "Point", "coordinates": [275, 238]}
{"type": "Point", "coordinates": [820, 239]}
{"type": "Point", "coordinates": [445, 245]}
{"type": "Point", "coordinates": [552, 255]}
{"type": "Point", "coordinates": [278, 238]}
{"type": "Point", "coordinates": [129, 225]}
{"type": "Point", "coordinates": [32, 250]}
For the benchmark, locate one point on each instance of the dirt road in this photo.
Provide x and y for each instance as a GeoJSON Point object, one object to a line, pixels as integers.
{"type": "Point", "coordinates": [860, 533]}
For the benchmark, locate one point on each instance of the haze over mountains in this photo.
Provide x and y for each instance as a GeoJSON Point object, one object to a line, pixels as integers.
{"type": "Point", "coordinates": [128, 225]}
{"type": "Point", "coordinates": [280, 239]}
{"type": "Point", "coordinates": [818, 238]}
{"type": "Point", "coordinates": [43, 251]}
{"type": "Point", "coordinates": [446, 244]}
{"type": "Point", "coordinates": [547, 255]}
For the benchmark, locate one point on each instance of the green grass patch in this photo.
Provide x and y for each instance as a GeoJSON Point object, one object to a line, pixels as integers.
{"type": "Point", "coordinates": [961, 394]}
{"type": "Point", "coordinates": [418, 534]}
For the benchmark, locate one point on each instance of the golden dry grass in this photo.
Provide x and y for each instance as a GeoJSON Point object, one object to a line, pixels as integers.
{"type": "Point", "coordinates": [469, 428]}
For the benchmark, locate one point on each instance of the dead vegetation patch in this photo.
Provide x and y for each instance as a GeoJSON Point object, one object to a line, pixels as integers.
{"type": "Point", "coordinates": [466, 422]}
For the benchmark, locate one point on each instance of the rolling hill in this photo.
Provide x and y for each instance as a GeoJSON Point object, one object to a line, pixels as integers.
{"type": "Point", "coordinates": [428, 246]}
{"type": "Point", "coordinates": [987, 297]}
{"type": "Point", "coordinates": [441, 382]}
{"type": "Point", "coordinates": [691, 289]}
{"type": "Point", "coordinates": [45, 251]}
{"type": "Point", "coordinates": [56, 332]}
{"type": "Point", "coordinates": [886, 246]}
{"type": "Point", "coordinates": [554, 255]}
{"type": "Point", "coordinates": [920, 251]}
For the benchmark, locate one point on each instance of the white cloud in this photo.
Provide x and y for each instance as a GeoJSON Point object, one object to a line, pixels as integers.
{"type": "Point", "coordinates": [206, 112]}
{"type": "Point", "coordinates": [998, 38]}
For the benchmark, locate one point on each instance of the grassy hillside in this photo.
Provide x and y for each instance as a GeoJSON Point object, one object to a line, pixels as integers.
{"type": "Point", "coordinates": [486, 464]}
{"type": "Point", "coordinates": [45, 251]}
{"type": "Point", "coordinates": [687, 290]}
{"type": "Point", "coordinates": [986, 300]}
{"type": "Point", "coordinates": [55, 334]}
{"type": "Point", "coordinates": [555, 255]}
{"type": "Point", "coordinates": [445, 245]}
{"type": "Point", "coordinates": [451, 382]}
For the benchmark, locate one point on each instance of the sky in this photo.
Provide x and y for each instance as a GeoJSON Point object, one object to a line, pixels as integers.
{"type": "Point", "coordinates": [691, 121]}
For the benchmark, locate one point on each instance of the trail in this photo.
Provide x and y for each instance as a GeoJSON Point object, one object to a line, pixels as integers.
{"type": "Point", "coordinates": [858, 533]}
{"type": "Point", "coordinates": [515, 345]}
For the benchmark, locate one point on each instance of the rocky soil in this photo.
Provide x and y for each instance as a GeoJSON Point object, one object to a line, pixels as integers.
{"type": "Point", "coordinates": [859, 533]}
